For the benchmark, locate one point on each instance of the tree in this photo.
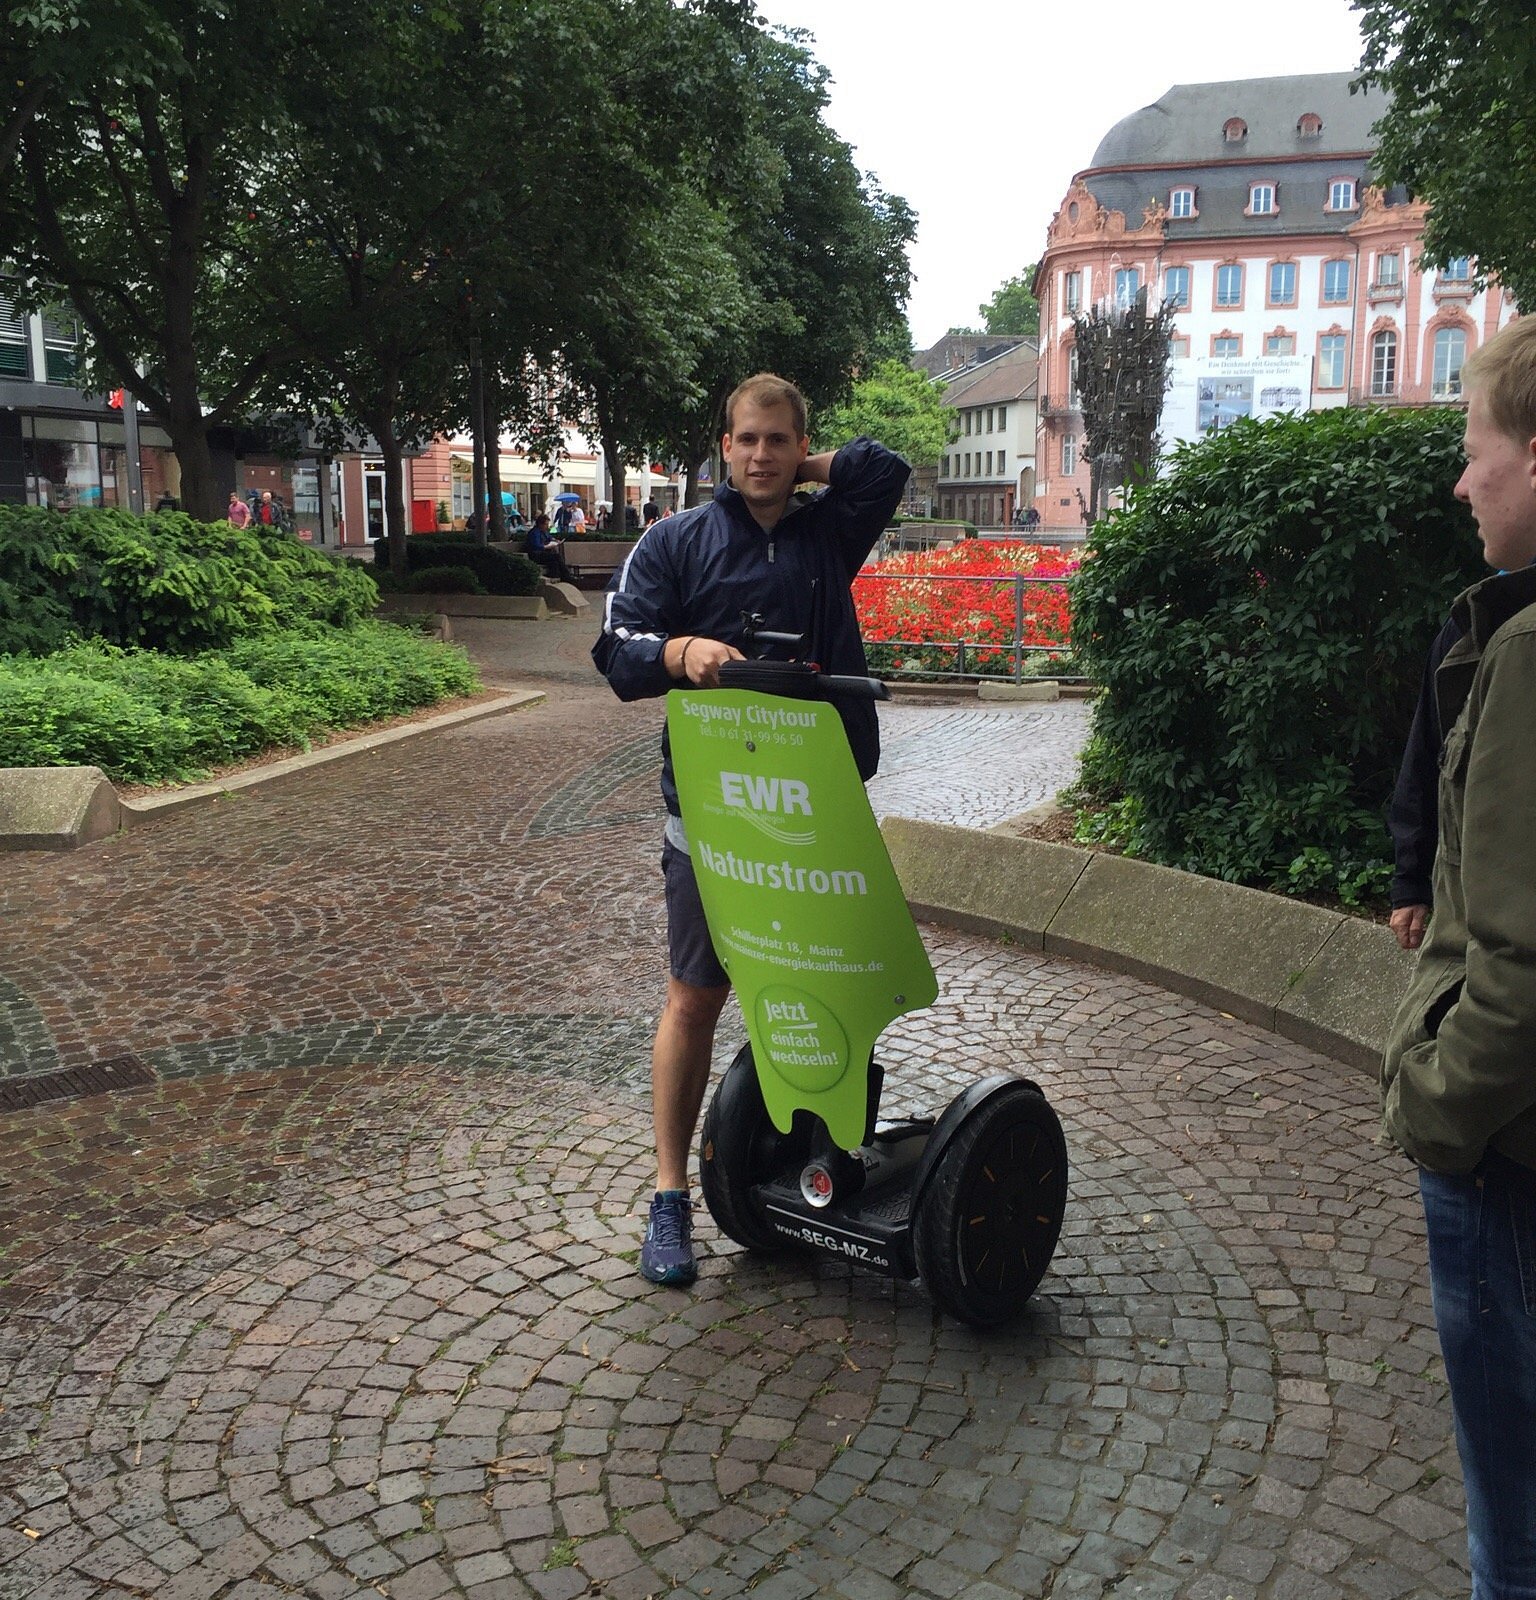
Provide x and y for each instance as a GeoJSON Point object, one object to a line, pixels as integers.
{"type": "Point", "coordinates": [820, 250]}
{"type": "Point", "coordinates": [1013, 309]}
{"type": "Point", "coordinates": [903, 409]}
{"type": "Point", "coordinates": [130, 181]}
{"type": "Point", "coordinates": [1460, 128]}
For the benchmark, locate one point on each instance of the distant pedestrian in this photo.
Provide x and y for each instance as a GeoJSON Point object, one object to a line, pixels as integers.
{"type": "Point", "coordinates": [578, 521]}
{"type": "Point", "coordinates": [546, 551]}
{"type": "Point", "coordinates": [562, 519]}
{"type": "Point", "coordinates": [239, 511]}
{"type": "Point", "coordinates": [651, 513]}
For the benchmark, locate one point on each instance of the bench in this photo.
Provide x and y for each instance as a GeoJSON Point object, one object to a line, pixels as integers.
{"type": "Point", "coordinates": [594, 561]}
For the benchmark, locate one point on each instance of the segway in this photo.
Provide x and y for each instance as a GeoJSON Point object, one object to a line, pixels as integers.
{"type": "Point", "coordinates": [811, 925]}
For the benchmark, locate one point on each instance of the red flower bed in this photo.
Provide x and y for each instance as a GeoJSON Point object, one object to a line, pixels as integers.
{"type": "Point", "coordinates": [899, 600]}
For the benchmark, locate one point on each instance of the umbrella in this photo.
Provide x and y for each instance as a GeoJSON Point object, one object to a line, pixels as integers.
{"type": "Point", "coordinates": [566, 498]}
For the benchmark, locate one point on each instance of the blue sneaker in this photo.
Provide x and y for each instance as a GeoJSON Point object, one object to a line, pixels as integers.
{"type": "Point", "coordinates": [667, 1254]}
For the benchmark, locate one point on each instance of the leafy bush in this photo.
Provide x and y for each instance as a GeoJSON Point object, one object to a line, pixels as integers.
{"type": "Point", "coordinates": [371, 671]}
{"type": "Point", "coordinates": [162, 581]}
{"type": "Point", "coordinates": [145, 717]}
{"type": "Point", "coordinates": [1259, 619]}
{"type": "Point", "coordinates": [500, 571]}
{"type": "Point", "coordinates": [442, 580]}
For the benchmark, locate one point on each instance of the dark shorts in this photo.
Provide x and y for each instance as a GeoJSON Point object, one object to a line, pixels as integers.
{"type": "Point", "coordinates": [689, 947]}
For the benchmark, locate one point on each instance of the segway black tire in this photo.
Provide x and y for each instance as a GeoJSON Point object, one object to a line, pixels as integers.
{"type": "Point", "coordinates": [739, 1147]}
{"type": "Point", "coordinates": [989, 1217]}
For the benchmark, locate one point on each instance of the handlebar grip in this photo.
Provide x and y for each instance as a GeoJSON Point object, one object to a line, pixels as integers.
{"type": "Point", "coordinates": [854, 688]}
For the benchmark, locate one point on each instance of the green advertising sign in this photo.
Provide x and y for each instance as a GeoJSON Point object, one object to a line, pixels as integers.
{"type": "Point", "coordinates": [804, 907]}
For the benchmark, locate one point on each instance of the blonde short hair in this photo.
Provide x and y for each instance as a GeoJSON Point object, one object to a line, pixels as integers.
{"type": "Point", "coordinates": [1503, 371]}
{"type": "Point", "coordinates": [767, 389]}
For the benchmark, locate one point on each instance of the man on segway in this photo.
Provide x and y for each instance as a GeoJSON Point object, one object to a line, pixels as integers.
{"type": "Point", "coordinates": [673, 615]}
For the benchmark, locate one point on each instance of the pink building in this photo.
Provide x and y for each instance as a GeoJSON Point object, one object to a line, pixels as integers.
{"type": "Point", "coordinates": [1295, 284]}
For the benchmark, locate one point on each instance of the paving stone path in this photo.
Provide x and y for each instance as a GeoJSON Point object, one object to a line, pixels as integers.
{"type": "Point", "coordinates": [340, 1300]}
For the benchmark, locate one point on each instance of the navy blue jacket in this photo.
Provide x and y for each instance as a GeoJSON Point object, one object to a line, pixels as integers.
{"type": "Point", "coordinates": [1414, 813]}
{"type": "Point", "coordinates": [697, 572]}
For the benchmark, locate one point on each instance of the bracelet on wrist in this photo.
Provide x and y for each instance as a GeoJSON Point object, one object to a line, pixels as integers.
{"type": "Point", "coordinates": [682, 660]}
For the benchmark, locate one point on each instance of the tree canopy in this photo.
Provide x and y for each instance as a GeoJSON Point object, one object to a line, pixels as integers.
{"type": "Point", "coordinates": [903, 409]}
{"type": "Point", "coordinates": [1460, 130]}
{"type": "Point", "coordinates": [264, 212]}
{"type": "Point", "coordinates": [1013, 308]}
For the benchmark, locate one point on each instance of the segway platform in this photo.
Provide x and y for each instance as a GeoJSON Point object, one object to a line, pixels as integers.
{"type": "Point", "coordinates": [810, 922]}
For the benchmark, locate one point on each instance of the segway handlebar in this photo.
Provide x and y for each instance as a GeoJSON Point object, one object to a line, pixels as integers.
{"type": "Point", "coordinates": [799, 680]}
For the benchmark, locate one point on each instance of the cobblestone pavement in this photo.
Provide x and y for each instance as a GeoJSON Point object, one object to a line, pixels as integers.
{"type": "Point", "coordinates": [340, 1299]}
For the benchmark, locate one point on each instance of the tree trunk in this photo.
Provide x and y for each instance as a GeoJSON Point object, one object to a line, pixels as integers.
{"type": "Point", "coordinates": [394, 494]}
{"type": "Point", "coordinates": [498, 511]}
{"type": "Point", "coordinates": [613, 456]}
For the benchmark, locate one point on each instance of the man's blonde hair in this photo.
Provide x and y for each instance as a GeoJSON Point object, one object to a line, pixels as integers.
{"type": "Point", "coordinates": [767, 389]}
{"type": "Point", "coordinates": [1503, 371]}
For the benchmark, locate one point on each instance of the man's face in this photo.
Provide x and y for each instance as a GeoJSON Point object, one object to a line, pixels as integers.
{"type": "Point", "coordinates": [764, 453]}
{"type": "Point", "coordinates": [1499, 483]}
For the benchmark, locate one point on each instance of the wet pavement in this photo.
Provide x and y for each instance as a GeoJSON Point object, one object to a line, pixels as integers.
{"type": "Point", "coordinates": [340, 1299]}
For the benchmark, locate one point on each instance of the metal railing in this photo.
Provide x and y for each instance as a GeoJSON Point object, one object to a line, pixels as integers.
{"type": "Point", "coordinates": [962, 650]}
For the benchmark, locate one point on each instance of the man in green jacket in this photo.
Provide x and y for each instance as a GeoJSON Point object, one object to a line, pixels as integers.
{"type": "Point", "coordinates": [1458, 1085]}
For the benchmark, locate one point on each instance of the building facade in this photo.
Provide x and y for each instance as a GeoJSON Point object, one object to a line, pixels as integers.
{"type": "Point", "coordinates": [1295, 285]}
{"type": "Point", "coordinates": [987, 473]}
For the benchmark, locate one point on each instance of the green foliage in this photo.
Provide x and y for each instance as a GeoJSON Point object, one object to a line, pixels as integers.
{"type": "Point", "coordinates": [162, 581]}
{"type": "Point", "coordinates": [349, 678]}
{"type": "Point", "coordinates": [903, 409]}
{"type": "Point", "coordinates": [1460, 126]}
{"type": "Point", "coordinates": [145, 717]}
{"type": "Point", "coordinates": [499, 571]}
{"type": "Point", "coordinates": [1013, 308]}
{"type": "Point", "coordinates": [1259, 619]}
{"type": "Point", "coordinates": [442, 580]}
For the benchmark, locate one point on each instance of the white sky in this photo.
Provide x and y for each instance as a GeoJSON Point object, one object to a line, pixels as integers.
{"type": "Point", "coordinates": [978, 112]}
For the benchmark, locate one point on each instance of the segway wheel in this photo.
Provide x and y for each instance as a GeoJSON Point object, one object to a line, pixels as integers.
{"type": "Point", "coordinates": [989, 1217]}
{"type": "Point", "coordinates": [738, 1147]}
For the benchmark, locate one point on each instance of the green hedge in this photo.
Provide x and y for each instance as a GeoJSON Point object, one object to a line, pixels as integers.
{"type": "Point", "coordinates": [145, 717]}
{"type": "Point", "coordinates": [499, 571]}
{"type": "Point", "coordinates": [162, 581]}
{"type": "Point", "coordinates": [1259, 619]}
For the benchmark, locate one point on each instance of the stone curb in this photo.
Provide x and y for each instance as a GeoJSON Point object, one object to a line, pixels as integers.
{"type": "Point", "coordinates": [1326, 980]}
{"type": "Point", "coordinates": [56, 808]}
{"type": "Point", "coordinates": [135, 813]}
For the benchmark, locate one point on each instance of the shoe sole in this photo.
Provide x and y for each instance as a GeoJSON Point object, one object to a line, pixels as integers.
{"type": "Point", "coordinates": [671, 1277]}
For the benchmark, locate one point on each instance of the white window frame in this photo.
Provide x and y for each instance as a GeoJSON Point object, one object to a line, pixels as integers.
{"type": "Point", "coordinates": [1445, 381]}
{"type": "Point", "coordinates": [1384, 363]}
{"type": "Point", "coordinates": [1282, 299]}
{"type": "Point", "coordinates": [1341, 194]}
{"type": "Point", "coordinates": [1325, 354]}
{"type": "Point", "coordinates": [1223, 299]}
{"type": "Point", "coordinates": [1263, 200]}
{"type": "Point", "coordinates": [1181, 203]}
{"type": "Point", "coordinates": [1184, 299]}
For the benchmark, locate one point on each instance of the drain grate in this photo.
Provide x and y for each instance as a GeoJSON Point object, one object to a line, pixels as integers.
{"type": "Point", "coordinates": [100, 1077]}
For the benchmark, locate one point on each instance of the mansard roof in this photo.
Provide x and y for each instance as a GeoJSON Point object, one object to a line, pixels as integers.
{"type": "Point", "coordinates": [1188, 123]}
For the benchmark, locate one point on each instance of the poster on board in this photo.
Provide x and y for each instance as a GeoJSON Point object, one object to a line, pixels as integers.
{"type": "Point", "coordinates": [1207, 393]}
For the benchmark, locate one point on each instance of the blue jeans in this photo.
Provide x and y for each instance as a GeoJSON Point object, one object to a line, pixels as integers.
{"type": "Point", "coordinates": [1482, 1270]}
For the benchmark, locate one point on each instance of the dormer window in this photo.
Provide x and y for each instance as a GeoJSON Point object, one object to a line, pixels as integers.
{"type": "Point", "coordinates": [1341, 194]}
{"type": "Point", "coordinates": [1181, 203]}
{"type": "Point", "coordinates": [1234, 130]}
{"type": "Point", "coordinates": [1310, 126]}
{"type": "Point", "coordinates": [1261, 200]}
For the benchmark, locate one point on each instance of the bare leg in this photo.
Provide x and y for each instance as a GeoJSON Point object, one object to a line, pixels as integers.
{"type": "Point", "coordinates": [679, 1072]}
